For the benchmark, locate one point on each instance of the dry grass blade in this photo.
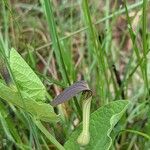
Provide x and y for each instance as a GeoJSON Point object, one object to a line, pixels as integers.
{"type": "Point", "coordinates": [4, 72]}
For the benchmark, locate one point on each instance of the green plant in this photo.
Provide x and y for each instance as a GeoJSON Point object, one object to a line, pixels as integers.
{"type": "Point", "coordinates": [46, 46]}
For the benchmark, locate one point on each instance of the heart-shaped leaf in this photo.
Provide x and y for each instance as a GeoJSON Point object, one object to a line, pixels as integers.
{"type": "Point", "coordinates": [102, 123]}
{"type": "Point", "coordinates": [39, 110]}
{"type": "Point", "coordinates": [27, 80]}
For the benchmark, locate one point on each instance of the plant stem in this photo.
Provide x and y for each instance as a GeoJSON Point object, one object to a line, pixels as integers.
{"type": "Point", "coordinates": [48, 135]}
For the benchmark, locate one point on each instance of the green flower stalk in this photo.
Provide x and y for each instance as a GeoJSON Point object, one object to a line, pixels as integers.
{"type": "Point", "coordinates": [84, 137]}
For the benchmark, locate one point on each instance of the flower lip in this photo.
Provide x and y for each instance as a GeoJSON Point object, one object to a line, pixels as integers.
{"type": "Point", "coordinates": [73, 90]}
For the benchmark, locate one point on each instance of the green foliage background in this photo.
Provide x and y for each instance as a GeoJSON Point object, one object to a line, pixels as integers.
{"type": "Point", "coordinates": [47, 45]}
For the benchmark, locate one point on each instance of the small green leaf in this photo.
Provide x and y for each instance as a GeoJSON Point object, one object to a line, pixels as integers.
{"type": "Point", "coordinates": [27, 80]}
{"type": "Point", "coordinates": [102, 123]}
{"type": "Point", "coordinates": [39, 110]}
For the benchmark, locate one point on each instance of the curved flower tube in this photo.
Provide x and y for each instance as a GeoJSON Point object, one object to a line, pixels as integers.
{"type": "Point", "coordinates": [70, 92]}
